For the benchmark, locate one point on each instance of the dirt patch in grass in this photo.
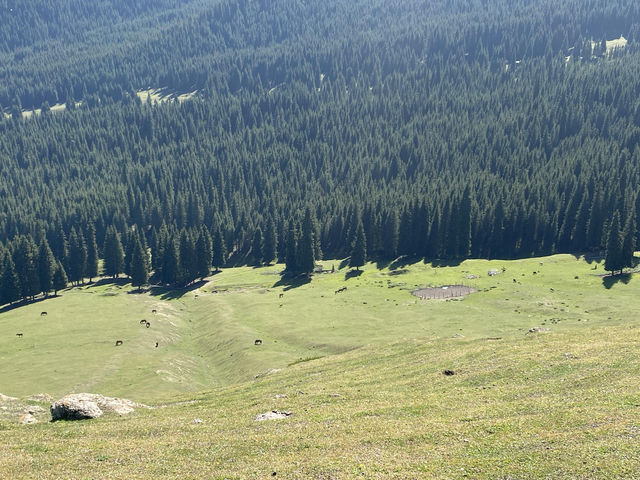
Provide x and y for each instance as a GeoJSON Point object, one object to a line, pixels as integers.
{"type": "Point", "coordinates": [444, 292]}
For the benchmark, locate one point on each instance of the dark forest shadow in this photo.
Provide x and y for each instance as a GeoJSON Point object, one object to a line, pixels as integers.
{"type": "Point", "coordinates": [446, 262]}
{"type": "Point", "coordinates": [344, 263]}
{"type": "Point", "coordinates": [120, 281]}
{"type": "Point", "coordinates": [292, 281]}
{"type": "Point", "coordinates": [610, 280]}
{"type": "Point", "coordinates": [24, 303]}
{"type": "Point", "coordinates": [382, 263]}
{"type": "Point", "coordinates": [402, 262]}
{"type": "Point", "coordinates": [173, 293]}
{"type": "Point", "coordinates": [352, 274]}
{"type": "Point", "coordinates": [589, 257]}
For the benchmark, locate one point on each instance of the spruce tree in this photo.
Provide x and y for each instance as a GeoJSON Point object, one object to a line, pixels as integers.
{"type": "Point", "coordinates": [113, 253]}
{"type": "Point", "coordinates": [59, 279]}
{"type": "Point", "coordinates": [92, 254]}
{"type": "Point", "coordinates": [359, 251]}
{"type": "Point", "coordinates": [77, 256]}
{"type": "Point", "coordinates": [139, 264]}
{"type": "Point", "coordinates": [390, 236]}
{"type": "Point", "coordinates": [305, 260]}
{"type": "Point", "coordinates": [46, 266]}
{"type": "Point", "coordinates": [204, 253]}
{"type": "Point", "coordinates": [291, 264]}
{"type": "Point", "coordinates": [130, 240]}
{"type": "Point", "coordinates": [270, 246]}
{"type": "Point", "coordinates": [170, 263]}
{"type": "Point", "coordinates": [463, 228]}
{"type": "Point", "coordinates": [613, 258]}
{"type": "Point", "coordinates": [188, 261]}
{"type": "Point", "coordinates": [9, 283]}
{"type": "Point", "coordinates": [219, 249]}
{"type": "Point", "coordinates": [25, 259]}
{"type": "Point", "coordinates": [256, 247]}
{"type": "Point", "coordinates": [628, 241]}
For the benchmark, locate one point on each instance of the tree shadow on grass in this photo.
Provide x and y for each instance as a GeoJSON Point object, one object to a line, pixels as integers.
{"type": "Point", "coordinates": [352, 274]}
{"type": "Point", "coordinates": [610, 280]}
{"type": "Point", "coordinates": [173, 293]}
{"type": "Point", "coordinates": [447, 262]}
{"type": "Point", "coordinates": [344, 263]}
{"type": "Point", "coordinates": [382, 263]}
{"type": "Point", "coordinates": [292, 281]}
{"type": "Point", "coordinates": [402, 262]}
{"type": "Point", "coordinates": [120, 281]}
{"type": "Point", "coordinates": [24, 303]}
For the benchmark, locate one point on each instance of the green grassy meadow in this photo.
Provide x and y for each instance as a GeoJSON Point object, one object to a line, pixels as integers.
{"type": "Point", "coordinates": [361, 371]}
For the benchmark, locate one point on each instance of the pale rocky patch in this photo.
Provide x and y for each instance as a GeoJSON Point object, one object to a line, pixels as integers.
{"type": "Point", "coordinates": [27, 419]}
{"type": "Point", "coordinates": [272, 415]}
{"type": "Point", "coordinates": [79, 406]}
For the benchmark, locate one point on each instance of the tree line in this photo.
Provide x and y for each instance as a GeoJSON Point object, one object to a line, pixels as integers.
{"type": "Point", "coordinates": [441, 129]}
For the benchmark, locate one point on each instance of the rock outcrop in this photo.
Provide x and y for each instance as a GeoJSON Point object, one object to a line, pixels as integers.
{"type": "Point", "coordinates": [80, 406]}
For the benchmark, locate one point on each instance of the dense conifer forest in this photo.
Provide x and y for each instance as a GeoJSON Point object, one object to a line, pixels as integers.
{"type": "Point", "coordinates": [442, 129]}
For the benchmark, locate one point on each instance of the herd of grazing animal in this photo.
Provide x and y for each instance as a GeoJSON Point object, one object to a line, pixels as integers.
{"type": "Point", "coordinates": [144, 322]}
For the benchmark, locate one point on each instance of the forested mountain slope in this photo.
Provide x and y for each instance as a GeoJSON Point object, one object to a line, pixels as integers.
{"type": "Point", "coordinates": [448, 128]}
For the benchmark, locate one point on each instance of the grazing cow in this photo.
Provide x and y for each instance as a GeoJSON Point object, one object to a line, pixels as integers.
{"type": "Point", "coordinates": [118, 343]}
{"type": "Point", "coordinates": [156, 344]}
{"type": "Point", "coordinates": [281, 305]}
{"type": "Point", "coordinates": [147, 324]}
{"type": "Point", "coordinates": [258, 342]}
{"type": "Point", "coordinates": [195, 296]}
{"type": "Point", "coordinates": [18, 335]}
{"type": "Point", "coordinates": [142, 322]}
{"type": "Point", "coordinates": [281, 295]}
{"type": "Point", "coordinates": [535, 273]}
{"type": "Point", "coordinates": [154, 311]}
{"type": "Point", "coordinates": [43, 314]}
{"type": "Point", "coordinates": [514, 280]}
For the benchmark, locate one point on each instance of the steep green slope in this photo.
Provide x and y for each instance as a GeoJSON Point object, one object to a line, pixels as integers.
{"type": "Point", "coordinates": [206, 336]}
{"type": "Point", "coordinates": [562, 405]}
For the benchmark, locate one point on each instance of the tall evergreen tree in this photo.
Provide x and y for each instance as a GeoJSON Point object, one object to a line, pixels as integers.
{"type": "Point", "coordinates": [46, 266]}
{"type": "Point", "coordinates": [139, 264]}
{"type": "Point", "coordinates": [204, 253]}
{"type": "Point", "coordinates": [613, 258]}
{"type": "Point", "coordinates": [256, 247]}
{"type": "Point", "coordinates": [60, 280]}
{"type": "Point", "coordinates": [305, 261]}
{"type": "Point", "coordinates": [188, 260]}
{"type": "Point", "coordinates": [77, 256]}
{"type": "Point", "coordinates": [9, 283]}
{"type": "Point", "coordinates": [270, 246]}
{"type": "Point", "coordinates": [92, 254]}
{"type": "Point", "coordinates": [113, 253]}
{"type": "Point", "coordinates": [291, 259]}
{"type": "Point", "coordinates": [170, 263]}
{"type": "Point", "coordinates": [628, 241]}
{"type": "Point", "coordinates": [219, 249]}
{"type": "Point", "coordinates": [25, 259]}
{"type": "Point", "coordinates": [359, 251]}
{"type": "Point", "coordinates": [463, 225]}
{"type": "Point", "coordinates": [390, 235]}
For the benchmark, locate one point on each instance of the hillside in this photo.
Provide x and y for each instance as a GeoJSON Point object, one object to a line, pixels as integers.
{"type": "Point", "coordinates": [206, 334]}
{"type": "Point", "coordinates": [561, 403]}
{"type": "Point", "coordinates": [452, 129]}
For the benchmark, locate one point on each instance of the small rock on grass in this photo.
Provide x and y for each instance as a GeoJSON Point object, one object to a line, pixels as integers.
{"type": "Point", "coordinates": [539, 330]}
{"type": "Point", "coordinates": [27, 419]}
{"type": "Point", "coordinates": [272, 415]}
